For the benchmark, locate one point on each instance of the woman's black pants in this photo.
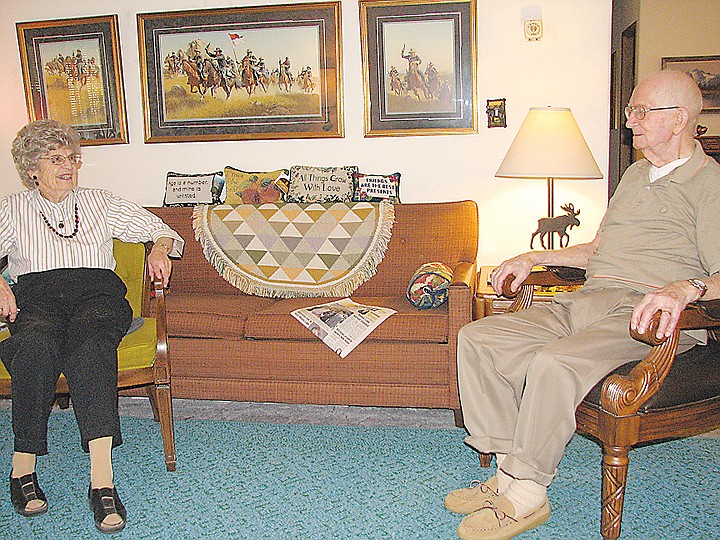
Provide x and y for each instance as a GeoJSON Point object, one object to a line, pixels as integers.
{"type": "Point", "coordinates": [70, 321]}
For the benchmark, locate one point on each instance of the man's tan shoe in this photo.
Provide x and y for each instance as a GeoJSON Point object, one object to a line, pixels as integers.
{"type": "Point", "coordinates": [468, 500]}
{"type": "Point", "coordinates": [495, 522]}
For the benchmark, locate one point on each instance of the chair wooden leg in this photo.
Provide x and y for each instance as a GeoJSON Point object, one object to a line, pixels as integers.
{"type": "Point", "coordinates": [485, 459]}
{"type": "Point", "coordinates": [459, 422]}
{"type": "Point", "coordinates": [63, 401]}
{"type": "Point", "coordinates": [152, 394]}
{"type": "Point", "coordinates": [163, 400]}
{"type": "Point", "coordinates": [614, 480]}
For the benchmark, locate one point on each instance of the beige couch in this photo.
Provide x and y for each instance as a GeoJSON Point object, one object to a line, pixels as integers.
{"type": "Point", "coordinates": [226, 345]}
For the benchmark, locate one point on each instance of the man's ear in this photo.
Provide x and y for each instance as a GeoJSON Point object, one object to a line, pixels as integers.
{"type": "Point", "coordinates": [682, 117]}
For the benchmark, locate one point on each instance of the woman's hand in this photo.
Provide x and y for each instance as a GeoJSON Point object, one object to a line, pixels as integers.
{"type": "Point", "coordinates": [158, 263]}
{"type": "Point", "coordinates": [8, 307]}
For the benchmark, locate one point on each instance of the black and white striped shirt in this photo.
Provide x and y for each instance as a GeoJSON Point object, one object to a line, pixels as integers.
{"type": "Point", "coordinates": [31, 245]}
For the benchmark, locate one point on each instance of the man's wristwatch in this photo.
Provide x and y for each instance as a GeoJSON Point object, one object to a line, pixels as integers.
{"type": "Point", "coordinates": [699, 285]}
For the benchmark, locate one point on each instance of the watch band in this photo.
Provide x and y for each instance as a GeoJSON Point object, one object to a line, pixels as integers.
{"type": "Point", "coordinates": [699, 285]}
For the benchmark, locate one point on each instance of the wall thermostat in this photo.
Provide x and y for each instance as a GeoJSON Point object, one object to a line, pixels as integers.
{"type": "Point", "coordinates": [533, 29]}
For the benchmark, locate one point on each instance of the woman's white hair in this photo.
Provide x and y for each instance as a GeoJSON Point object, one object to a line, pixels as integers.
{"type": "Point", "coordinates": [37, 139]}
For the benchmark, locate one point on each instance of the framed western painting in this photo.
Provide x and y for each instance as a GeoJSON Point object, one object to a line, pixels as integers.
{"type": "Point", "coordinates": [261, 72]}
{"type": "Point", "coordinates": [706, 72]}
{"type": "Point", "coordinates": [72, 73]}
{"type": "Point", "coordinates": [419, 63]}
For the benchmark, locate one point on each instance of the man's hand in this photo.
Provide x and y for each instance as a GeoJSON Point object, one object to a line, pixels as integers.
{"type": "Point", "coordinates": [519, 267]}
{"type": "Point", "coordinates": [158, 263]}
{"type": "Point", "coordinates": [8, 307]}
{"type": "Point", "coordinates": [670, 301]}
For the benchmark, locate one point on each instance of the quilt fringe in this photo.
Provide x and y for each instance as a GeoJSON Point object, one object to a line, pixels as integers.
{"type": "Point", "coordinates": [365, 269]}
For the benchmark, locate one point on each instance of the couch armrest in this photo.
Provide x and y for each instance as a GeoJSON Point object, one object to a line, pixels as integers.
{"type": "Point", "coordinates": [464, 275]}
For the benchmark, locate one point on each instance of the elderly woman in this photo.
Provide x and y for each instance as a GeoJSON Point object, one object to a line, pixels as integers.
{"type": "Point", "coordinates": [67, 311]}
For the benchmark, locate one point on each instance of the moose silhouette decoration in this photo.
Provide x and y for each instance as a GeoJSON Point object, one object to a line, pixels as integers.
{"type": "Point", "coordinates": [548, 226]}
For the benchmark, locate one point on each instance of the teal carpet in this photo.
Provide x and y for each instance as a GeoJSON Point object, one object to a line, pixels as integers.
{"type": "Point", "coordinates": [264, 481]}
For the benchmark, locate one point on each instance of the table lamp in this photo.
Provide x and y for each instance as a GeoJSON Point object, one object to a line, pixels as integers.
{"type": "Point", "coordinates": [550, 145]}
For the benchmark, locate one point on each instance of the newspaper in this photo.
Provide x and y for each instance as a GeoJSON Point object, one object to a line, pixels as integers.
{"type": "Point", "coordinates": [342, 324]}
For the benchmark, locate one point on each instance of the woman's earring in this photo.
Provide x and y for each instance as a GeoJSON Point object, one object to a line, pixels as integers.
{"type": "Point", "coordinates": [34, 177]}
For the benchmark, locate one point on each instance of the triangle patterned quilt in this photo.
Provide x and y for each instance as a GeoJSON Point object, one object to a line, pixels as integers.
{"type": "Point", "coordinates": [295, 249]}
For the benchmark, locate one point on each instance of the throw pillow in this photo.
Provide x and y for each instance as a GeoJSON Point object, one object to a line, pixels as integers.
{"type": "Point", "coordinates": [183, 189]}
{"type": "Point", "coordinates": [377, 187]}
{"type": "Point", "coordinates": [254, 187]}
{"type": "Point", "coordinates": [429, 285]}
{"type": "Point", "coordinates": [321, 184]}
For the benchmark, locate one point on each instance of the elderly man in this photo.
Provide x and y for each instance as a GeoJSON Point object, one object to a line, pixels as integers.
{"type": "Point", "coordinates": [522, 375]}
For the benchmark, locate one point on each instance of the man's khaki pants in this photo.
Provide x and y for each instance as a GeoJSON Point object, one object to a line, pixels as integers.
{"type": "Point", "coordinates": [522, 375]}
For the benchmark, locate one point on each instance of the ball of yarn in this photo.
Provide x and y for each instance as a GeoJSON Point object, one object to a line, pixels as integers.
{"type": "Point", "coordinates": [429, 285]}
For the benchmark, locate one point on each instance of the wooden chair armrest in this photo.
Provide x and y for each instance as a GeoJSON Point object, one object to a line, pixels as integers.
{"type": "Point", "coordinates": [623, 395]}
{"type": "Point", "coordinates": [698, 315]}
{"type": "Point", "coordinates": [161, 366]}
{"type": "Point", "coordinates": [547, 276]}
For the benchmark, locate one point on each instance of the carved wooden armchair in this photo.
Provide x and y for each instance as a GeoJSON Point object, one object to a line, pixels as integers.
{"type": "Point", "coordinates": [664, 396]}
{"type": "Point", "coordinates": [143, 359]}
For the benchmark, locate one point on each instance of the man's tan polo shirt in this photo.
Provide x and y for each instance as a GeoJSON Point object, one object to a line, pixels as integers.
{"type": "Point", "coordinates": [656, 233]}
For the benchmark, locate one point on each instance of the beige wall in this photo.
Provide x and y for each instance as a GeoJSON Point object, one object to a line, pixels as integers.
{"type": "Point", "coordinates": [678, 28]}
{"type": "Point", "coordinates": [569, 67]}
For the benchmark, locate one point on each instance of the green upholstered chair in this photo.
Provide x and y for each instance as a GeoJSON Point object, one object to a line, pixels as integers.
{"type": "Point", "coordinates": [143, 359]}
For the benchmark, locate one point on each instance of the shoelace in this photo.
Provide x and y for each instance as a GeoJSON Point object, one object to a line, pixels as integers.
{"type": "Point", "coordinates": [499, 514]}
{"type": "Point", "coordinates": [482, 486]}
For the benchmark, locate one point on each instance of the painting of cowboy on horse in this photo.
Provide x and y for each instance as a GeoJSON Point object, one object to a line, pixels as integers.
{"type": "Point", "coordinates": [73, 81]}
{"type": "Point", "coordinates": [224, 74]}
{"type": "Point", "coordinates": [419, 74]}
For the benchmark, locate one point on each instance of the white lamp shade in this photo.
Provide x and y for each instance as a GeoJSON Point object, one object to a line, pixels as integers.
{"type": "Point", "coordinates": [549, 144]}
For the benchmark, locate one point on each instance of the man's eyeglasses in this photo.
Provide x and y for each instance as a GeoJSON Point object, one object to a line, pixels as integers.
{"type": "Point", "coordinates": [639, 111]}
{"type": "Point", "coordinates": [60, 159]}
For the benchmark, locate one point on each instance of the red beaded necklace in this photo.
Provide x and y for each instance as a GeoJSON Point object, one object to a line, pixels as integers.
{"type": "Point", "coordinates": [61, 235]}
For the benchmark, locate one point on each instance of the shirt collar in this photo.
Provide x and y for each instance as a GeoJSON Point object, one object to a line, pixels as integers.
{"type": "Point", "coordinates": [683, 173]}
{"type": "Point", "coordinates": [659, 172]}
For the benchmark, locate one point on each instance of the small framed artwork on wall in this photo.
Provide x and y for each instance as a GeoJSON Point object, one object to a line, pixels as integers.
{"type": "Point", "coordinates": [706, 72]}
{"type": "Point", "coordinates": [419, 63]}
{"type": "Point", "coordinates": [72, 73]}
{"type": "Point", "coordinates": [260, 72]}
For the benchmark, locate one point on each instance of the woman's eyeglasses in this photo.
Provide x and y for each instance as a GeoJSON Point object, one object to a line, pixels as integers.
{"type": "Point", "coordinates": [60, 159]}
{"type": "Point", "coordinates": [639, 111]}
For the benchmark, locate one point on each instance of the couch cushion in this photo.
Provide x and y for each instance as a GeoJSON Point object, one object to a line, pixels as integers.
{"type": "Point", "coordinates": [211, 315]}
{"type": "Point", "coordinates": [408, 324]}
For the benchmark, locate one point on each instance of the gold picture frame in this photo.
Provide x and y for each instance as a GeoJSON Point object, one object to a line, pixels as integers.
{"type": "Point", "coordinates": [433, 91]}
{"type": "Point", "coordinates": [205, 76]}
{"type": "Point", "coordinates": [72, 73]}
{"type": "Point", "coordinates": [705, 70]}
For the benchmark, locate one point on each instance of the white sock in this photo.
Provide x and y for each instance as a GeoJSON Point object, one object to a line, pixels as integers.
{"type": "Point", "coordinates": [525, 496]}
{"type": "Point", "coordinates": [504, 479]}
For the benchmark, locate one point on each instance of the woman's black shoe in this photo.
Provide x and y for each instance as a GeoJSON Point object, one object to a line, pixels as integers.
{"type": "Point", "coordinates": [26, 489]}
{"type": "Point", "coordinates": [104, 502]}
